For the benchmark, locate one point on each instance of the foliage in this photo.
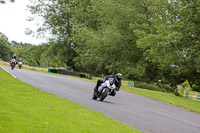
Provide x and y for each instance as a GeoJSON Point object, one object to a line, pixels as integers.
{"type": "Point", "coordinates": [5, 50]}
{"type": "Point", "coordinates": [31, 55]}
{"type": "Point", "coordinates": [174, 43]}
{"type": "Point", "coordinates": [104, 41]}
{"type": "Point", "coordinates": [154, 87]}
{"type": "Point", "coordinates": [179, 90]}
{"type": "Point", "coordinates": [3, 1]}
{"type": "Point", "coordinates": [186, 84]}
{"type": "Point", "coordinates": [59, 54]}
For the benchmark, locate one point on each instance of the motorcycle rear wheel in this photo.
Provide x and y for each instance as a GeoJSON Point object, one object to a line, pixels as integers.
{"type": "Point", "coordinates": [94, 96]}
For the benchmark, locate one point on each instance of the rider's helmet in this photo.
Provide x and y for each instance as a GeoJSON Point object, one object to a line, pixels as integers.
{"type": "Point", "coordinates": [118, 76]}
{"type": "Point", "coordinates": [14, 56]}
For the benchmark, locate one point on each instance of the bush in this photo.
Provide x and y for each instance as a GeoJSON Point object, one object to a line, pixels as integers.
{"type": "Point", "coordinates": [179, 90]}
{"type": "Point", "coordinates": [196, 88]}
{"type": "Point", "coordinates": [88, 76]}
{"type": "Point", "coordinates": [154, 87]}
{"type": "Point", "coordinates": [186, 85]}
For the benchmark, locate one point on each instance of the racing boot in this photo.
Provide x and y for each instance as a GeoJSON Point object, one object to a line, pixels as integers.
{"type": "Point", "coordinates": [96, 93]}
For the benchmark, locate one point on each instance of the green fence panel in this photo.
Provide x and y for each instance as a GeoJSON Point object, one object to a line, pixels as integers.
{"type": "Point", "coordinates": [186, 94]}
{"type": "Point", "coordinates": [198, 97]}
{"type": "Point", "coordinates": [130, 83]}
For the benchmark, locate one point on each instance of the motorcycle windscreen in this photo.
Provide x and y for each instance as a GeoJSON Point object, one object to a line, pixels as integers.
{"type": "Point", "coordinates": [111, 80]}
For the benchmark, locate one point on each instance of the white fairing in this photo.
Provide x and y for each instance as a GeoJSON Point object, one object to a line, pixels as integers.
{"type": "Point", "coordinates": [113, 86]}
{"type": "Point", "coordinates": [107, 83]}
{"type": "Point", "coordinates": [110, 86]}
{"type": "Point", "coordinates": [13, 60]}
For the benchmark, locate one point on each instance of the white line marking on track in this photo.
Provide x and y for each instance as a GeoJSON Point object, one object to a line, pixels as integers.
{"type": "Point", "coordinates": [8, 72]}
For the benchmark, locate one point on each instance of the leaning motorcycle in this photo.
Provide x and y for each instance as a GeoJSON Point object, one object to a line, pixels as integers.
{"type": "Point", "coordinates": [108, 87]}
{"type": "Point", "coordinates": [20, 65]}
{"type": "Point", "coordinates": [13, 63]}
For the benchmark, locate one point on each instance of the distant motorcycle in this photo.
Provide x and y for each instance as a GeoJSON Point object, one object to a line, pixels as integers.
{"type": "Point", "coordinates": [20, 64]}
{"type": "Point", "coordinates": [107, 88]}
{"type": "Point", "coordinates": [13, 63]}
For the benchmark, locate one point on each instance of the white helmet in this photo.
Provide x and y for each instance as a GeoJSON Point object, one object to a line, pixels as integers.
{"type": "Point", "coordinates": [118, 76]}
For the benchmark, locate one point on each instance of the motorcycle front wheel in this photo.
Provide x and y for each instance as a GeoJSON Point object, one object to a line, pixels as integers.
{"type": "Point", "coordinates": [12, 67]}
{"type": "Point", "coordinates": [103, 94]}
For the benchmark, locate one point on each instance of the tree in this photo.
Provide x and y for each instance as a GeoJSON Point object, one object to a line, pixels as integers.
{"type": "Point", "coordinates": [173, 41]}
{"type": "Point", "coordinates": [56, 20]}
{"type": "Point", "coordinates": [104, 39]}
{"type": "Point", "coordinates": [4, 48]}
{"type": "Point", "coordinates": [3, 1]}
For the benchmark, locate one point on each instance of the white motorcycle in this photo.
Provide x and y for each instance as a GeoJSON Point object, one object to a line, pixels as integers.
{"type": "Point", "coordinates": [20, 64]}
{"type": "Point", "coordinates": [105, 89]}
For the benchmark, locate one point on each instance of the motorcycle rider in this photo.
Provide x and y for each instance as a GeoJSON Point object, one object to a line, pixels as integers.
{"type": "Point", "coordinates": [13, 57]}
{"type": "Point", "coordinates": [20, 60]}
{"type": "Point", "coordinates": [117, 81]}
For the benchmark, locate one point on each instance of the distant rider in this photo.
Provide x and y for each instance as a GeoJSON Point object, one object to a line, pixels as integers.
{"type": "Point", "coordinates": [20, 60]}
{"type": "Point", "coordinates": [117, 81]}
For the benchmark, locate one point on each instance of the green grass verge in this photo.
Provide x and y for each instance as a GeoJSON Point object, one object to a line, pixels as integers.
{"type": "Point", "coordinates": [166, 97]}
{"type": "Point", "coordinates": [24, 108]}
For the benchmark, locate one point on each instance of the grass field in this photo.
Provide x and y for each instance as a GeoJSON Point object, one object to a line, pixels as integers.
{"type": "Point", "coordinates": [25, 109]}
{"type": "Point", "coordinates": [166, 97]}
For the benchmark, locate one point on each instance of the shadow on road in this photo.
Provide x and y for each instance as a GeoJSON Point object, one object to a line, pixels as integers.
{"type": "Point", "coordinates": [104, 101]}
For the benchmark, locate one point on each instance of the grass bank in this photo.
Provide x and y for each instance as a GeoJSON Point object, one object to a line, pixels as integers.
{"type": "Point", "coordinates": [166, 97]}
{"type": "Point", "coordinates": [24, 108]}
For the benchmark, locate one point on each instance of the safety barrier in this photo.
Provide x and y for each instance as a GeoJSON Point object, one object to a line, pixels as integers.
{"type": "Point", "coordinates": [128, 83]}
{"type": "Point", "coordinates": [94, 78]}
{"type": "Point", "coordinates": [192, 95]}
{"type": "Point", "coordinates": [65, 72]}
{"type": "Point", "coordinates": [198, 97]}
{"type": "Point", "coordinates": [49, 69]}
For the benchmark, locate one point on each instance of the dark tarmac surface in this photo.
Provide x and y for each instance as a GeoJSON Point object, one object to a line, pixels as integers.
{"type": "Point", "coordinates": [142, 113]}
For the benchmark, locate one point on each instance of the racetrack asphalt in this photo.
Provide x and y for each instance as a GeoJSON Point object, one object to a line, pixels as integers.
{"type": "Point", "coordinates": [145, 114]}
